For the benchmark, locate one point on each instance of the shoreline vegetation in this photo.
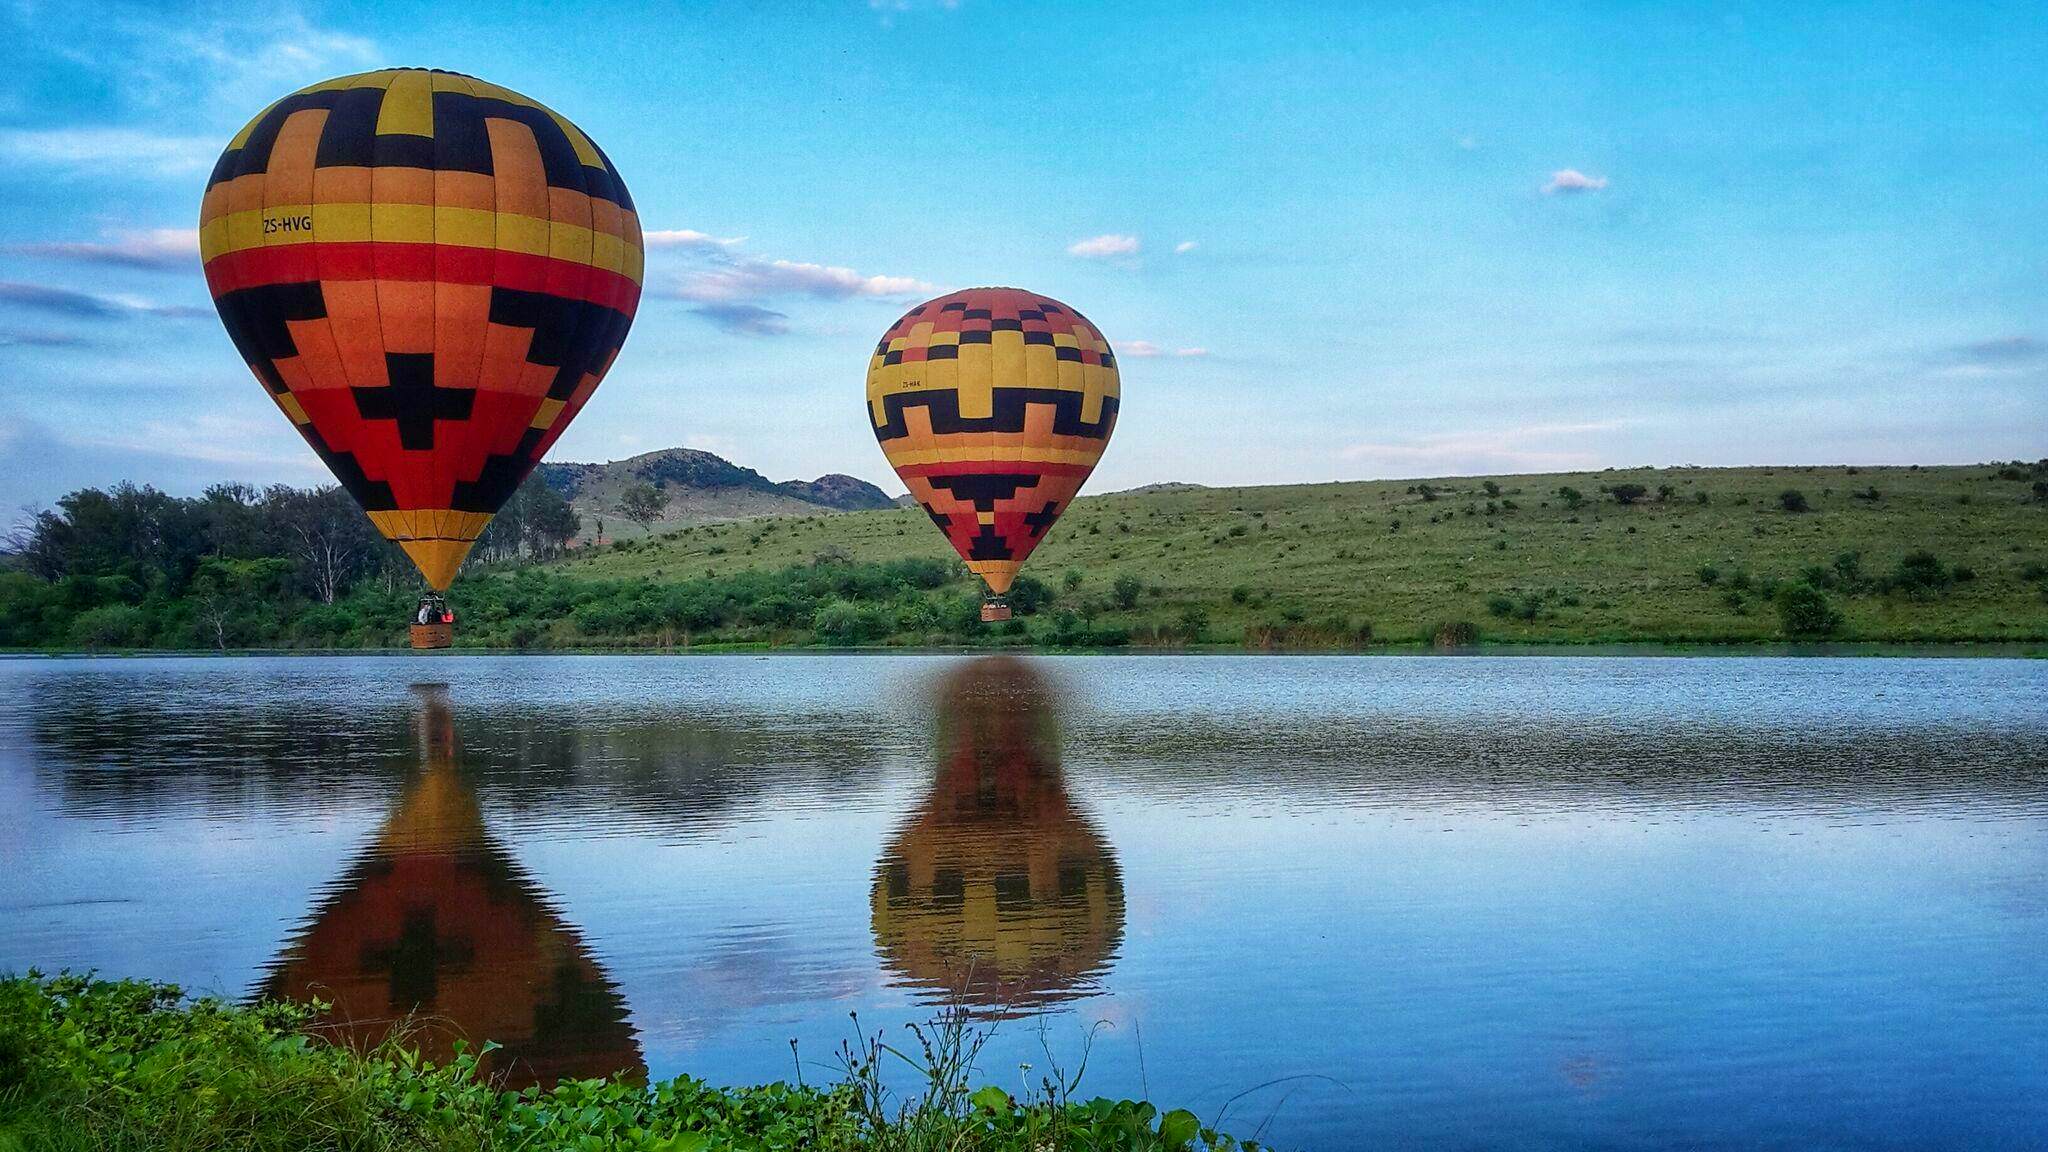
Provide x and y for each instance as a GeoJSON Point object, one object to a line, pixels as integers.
{"type": "Point", "coordinates": [1711, 560]}
{"type": "Point", "coordinates": [131, 1065]}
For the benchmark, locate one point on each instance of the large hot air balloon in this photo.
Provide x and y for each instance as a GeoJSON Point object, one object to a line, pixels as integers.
{"type": "Point", "coordinates": [430, 274]}
{"type": "Point", "coordinates": [993, 405]}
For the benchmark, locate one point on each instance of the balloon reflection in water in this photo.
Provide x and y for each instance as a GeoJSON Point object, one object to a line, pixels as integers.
{"type": "Point", "coordinates": [998, 891]}
{"type": "Point", "coordinates": [437, 919]}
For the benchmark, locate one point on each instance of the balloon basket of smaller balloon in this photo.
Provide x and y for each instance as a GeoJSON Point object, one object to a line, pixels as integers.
{"type": "Point", "coordinates": [433, 625]}
{"type": "Point", "coordinates": [995, 610]}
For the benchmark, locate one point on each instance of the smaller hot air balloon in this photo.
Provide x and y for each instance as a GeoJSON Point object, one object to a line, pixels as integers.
{"type": "Point", "coordinates": [430, 274]}
{"type": "Point", "coordinates": [993, 405]}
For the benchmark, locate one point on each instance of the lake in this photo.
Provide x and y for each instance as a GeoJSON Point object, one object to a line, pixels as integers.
{"type": "Point", "coordinates": [1498, 902]}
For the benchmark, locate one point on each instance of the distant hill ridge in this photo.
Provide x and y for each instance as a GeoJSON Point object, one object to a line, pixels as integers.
{"type": "Point", "coordinates": [702, 486]}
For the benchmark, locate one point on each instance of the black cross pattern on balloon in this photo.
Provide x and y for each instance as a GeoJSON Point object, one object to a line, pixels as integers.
{"type": "Point", "coordinates": [1042, 519]}
{"type": "Point", "coordinates": [413, 400]}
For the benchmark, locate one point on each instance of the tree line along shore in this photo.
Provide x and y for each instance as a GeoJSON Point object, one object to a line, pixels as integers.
{"type": "Point", "coordinates": [1910, 555]}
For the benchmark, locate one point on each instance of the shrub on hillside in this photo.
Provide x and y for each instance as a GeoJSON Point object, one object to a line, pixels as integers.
{"type": "Point", "coordinates": [1804, 610]}
{"type": "Point", "coordinates": [1124, 590]}
{"type": "Point", "coordinates": [1920, 573]}
{"type": "Point", "coordinates": [1792, 500]}
{"type": "Point", "coordinates": [1627, 493]}
{"type": "Point", "coordinates": [1028, 595]}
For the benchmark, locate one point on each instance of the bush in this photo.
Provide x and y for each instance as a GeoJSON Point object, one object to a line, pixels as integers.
{"type": "Point", "coordinates": [1709, 575]}
{"type": "Point", "coordinates": [1792, 500]}
{"type": "Point", "coordinates": [1500, 606]}
{"type": "Point", "coordinates": [1920, 573]}
{"type": "Point", "coordinates": [110, 626]}
{"type": "Point", "coordinates": [1194, 623]}
{"type": "Point", "coordinates": [1627, 493]}
{"type": "Point", "coordinates": [1804, 610]}
{"type": "Point", "coordinates": [1028, 595]}
{"type": "Point", "coordinates": [1124, 590]}
{"type": "Point", "coordinates": [844, 622]}
{"type": "Point", "coordinates": [1572, 497]}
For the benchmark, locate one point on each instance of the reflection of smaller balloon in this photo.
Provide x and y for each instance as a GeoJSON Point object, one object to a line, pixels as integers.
{"type": "Point", "coordinates": [993, 406]}
{"type": "Point", "coordinates": [436, 919]}
{"type": "Point", "coordinates": [998, 891]}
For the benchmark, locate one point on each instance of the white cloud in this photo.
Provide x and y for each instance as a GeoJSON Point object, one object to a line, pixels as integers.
{"type": "Point", "coordinates": [87, 306]}
{"type": "Point", "coordinates": [1104, 246]}
{"type": "Point", "coordinates": [1569, 181]}
{"type": "Point", "coordinates": [155, 248]}
{"type": "Point", "coordinates": [691, 239]}
{"type": "Point", "coordinates": [108, 151]}
{"type": "Point", "coordinates": [745, 319]}
{"type": "Point", "coordinates": [1535, 447]}
{"type": "Point", "coordinates": [745, 280]}
{"type": "Point", "coordinates": [1147, 350]}
{"type": "Point", "coordinates": [1186, 246]}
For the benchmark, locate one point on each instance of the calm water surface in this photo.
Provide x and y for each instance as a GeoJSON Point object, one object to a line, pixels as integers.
{"type": "Point", "coordinates": [1475, 902]}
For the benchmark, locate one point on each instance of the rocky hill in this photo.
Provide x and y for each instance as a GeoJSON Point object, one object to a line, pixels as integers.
{"type": "Point", "coordinates": [700, 486]}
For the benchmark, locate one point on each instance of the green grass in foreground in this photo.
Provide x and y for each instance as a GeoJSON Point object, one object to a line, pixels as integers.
{"type": "Point", "coordinates": [1699, 555]}
{"type": "Point", "coordinates": [115, 1066]}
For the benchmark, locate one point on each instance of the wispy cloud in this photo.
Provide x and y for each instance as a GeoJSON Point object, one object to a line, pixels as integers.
{"type": "Point", "coordinates": [1105, 246]}
{"type": "Point", "coordinates": [1571, 181]}
{"type": "Point", "coordinates": [108, 151]}
{"type": "Point", "coordinates": [753, 279]}
{"type": "Point", "coordinates": [733, 291]}
{"type": "Point", "coordinates": [153, 59]}
{"type": "Point", "coordinates": [692, 240]}
{"type": "Point", "coordinates": [745, 319]}
{"type": "Point", "coordinates": [86, 306]}
{"type": "Point", "coordinates": [157, 248]}
{"type": "Point", "coordinates": [2005, 350]}
{"type": "Point", "coordinates": [42, 340]}
{"type": "Point", "coordinates": [1186, 246]}
{"type": "Point", "coordinates": [1526, 446]}
{"type": "Point", "coordinates": [1146, 350]}
{"type": "Point", "coordinates": [2005, 356]}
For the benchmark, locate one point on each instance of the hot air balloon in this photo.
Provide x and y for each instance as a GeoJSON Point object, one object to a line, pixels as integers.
{"type": "Point", "coordinates": [430, 274]}
{"type": "Point", "coordinates": [993, 405]}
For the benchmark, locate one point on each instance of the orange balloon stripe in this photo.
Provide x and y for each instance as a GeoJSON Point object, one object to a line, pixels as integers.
{"type": "Point", "coordinates": [373, 260]}
{"type": "Point", "coordinates": [979, 467]}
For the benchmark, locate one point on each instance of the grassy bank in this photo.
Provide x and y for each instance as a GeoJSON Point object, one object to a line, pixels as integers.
{"type": "Point", "coordinates": [114, 1066]}
{"type": "Point", "coordinates": [1672, 556]}
{"type": "Point", "coordinates": [1719, 555]}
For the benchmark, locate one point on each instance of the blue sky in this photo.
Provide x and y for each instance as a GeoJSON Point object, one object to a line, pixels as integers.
{"type": "Point", "coordinates": [1404, 242]}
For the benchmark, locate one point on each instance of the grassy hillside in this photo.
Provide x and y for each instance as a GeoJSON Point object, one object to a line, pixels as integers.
{"type": "Point", "coordinates": [1698, 557]}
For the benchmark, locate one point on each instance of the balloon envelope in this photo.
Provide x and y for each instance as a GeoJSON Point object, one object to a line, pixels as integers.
{"type": "Point", "coordinates": [430, 274]}
{"type": "Point", "coordinates": [993, 405]}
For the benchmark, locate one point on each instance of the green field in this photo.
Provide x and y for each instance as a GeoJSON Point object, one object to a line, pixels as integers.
{"type": "Point", "coordinates": [1697, 558]}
